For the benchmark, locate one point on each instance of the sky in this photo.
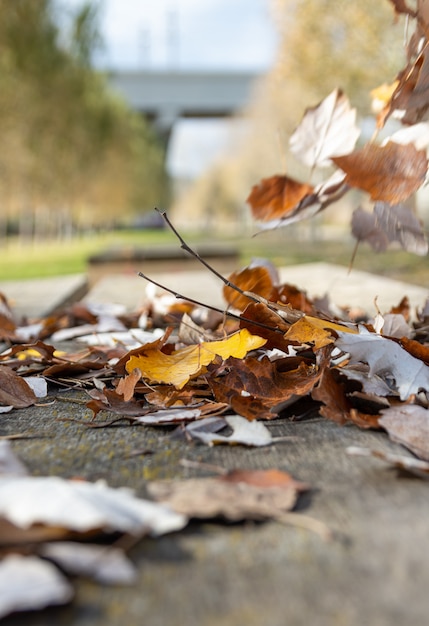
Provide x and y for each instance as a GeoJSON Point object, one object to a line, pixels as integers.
{"type": "Point", "coordinates": [227, 35]}
{"type": "Point", "coordinates": [179, 34]}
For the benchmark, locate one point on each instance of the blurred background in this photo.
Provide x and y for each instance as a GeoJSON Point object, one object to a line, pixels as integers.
{"type": "Point", "coordinates": [109, 108]}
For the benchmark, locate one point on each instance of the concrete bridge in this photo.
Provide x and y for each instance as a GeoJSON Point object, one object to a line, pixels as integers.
{"type": "Point", "coordinates": [166, 96]}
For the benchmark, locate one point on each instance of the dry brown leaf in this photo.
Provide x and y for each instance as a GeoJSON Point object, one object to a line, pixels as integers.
{"type": "Point", "coordinates": [236, 496]}
{"type": "Point", "coordinates": [276, 197]}
{"type": "Point", "coordinates": [408, 425]}
{"type": "Point", "coordinates": [255, 279]}
{"type": "Point", "coordinates": [390, 173]}
{"type": "Point", "coordinates": [14, 391]}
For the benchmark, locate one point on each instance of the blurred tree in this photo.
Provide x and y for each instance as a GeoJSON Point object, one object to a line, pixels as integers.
{"type": "Point", "coordinates": [72, 151]}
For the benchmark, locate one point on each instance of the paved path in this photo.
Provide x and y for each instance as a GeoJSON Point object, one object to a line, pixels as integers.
{"type": "Point", "coordinates": [40, 297]}
{"type": "Point", "coordinates": [374, 572]}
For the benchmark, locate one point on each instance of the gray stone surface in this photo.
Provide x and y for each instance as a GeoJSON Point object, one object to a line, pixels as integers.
{"type": "Point", "coordinates": [374, 571]}
{"type": "Point", "coordinates": [40, 297]}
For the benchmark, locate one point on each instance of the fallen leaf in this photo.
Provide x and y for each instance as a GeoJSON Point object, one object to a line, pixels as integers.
{"type": "Point", "coordinates": [235, 496]}
{"type": "Point", "coordinates": [256, 279]}
{"type": "Point", "coordinates": [181, 365]}
{"type": "Point", "coordinates": [14, 391]}
{"type": "Point", "coordinates": [326, 130]}
{"type": "Point", "coordinates": [305, 331]}
{"type": "Point", "coordinates": [244, 432]}
{"type": "Point", "coordinates": [29, 583]}
{"type": "Point", "coordinates": [387, 359]}
{"type": "Point", "coordinates": [80, 506]}
{"type": "Point", "coordinates": [105, 564]}
{"type": "Point", "coordinates": [257, 389]}
{"type": "Point", "coordinates": [409, 426]}
{"type": "Point", "coordinates": [406, 463]}
{"type": "Point", "coordinates": [390, 173]}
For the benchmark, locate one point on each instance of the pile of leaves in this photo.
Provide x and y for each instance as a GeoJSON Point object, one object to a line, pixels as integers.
{"type": "Point", "coordinates": [221, 377]}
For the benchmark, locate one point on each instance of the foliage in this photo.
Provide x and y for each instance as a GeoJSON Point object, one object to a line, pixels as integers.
{"type": "Point", "coordinates": [389, 171]}
{"type": "Point", "coordinates": [72, 152]}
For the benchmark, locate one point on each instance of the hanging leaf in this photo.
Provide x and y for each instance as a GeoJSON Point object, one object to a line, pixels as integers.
{"type": "Point", "coordinates": [326, 130]}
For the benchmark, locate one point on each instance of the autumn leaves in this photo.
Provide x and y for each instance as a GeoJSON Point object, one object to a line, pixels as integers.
{"type": "Point", "coordinates": [390, 173]}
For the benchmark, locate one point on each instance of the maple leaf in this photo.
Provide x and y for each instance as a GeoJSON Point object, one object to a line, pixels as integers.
{"type": "Point", "coordinates": [390, 173]}
{"type": "Point", "coordinates": [388, 224]}
{"type": "Point", "coordinates": [387, 359]}
{"type": "Point", "coordinates": [326, 130]}
{"type": "Point", "coordinates": [182, 365]}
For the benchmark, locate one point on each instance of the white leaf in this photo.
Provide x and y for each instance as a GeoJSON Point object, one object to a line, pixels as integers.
{"type": "Point", "coordinates": [106, 565]}
{"type": "Point", "coordinates": [81, 506]}
{"type": "Point", "coordinates": [169, 416]}
{"type": "Point", "coordinates": [417, 134]}
{"type": "Point", "coordinates": [326, 130]}
{"type": "Point", "coordinates": [38, 385]}
{"type": "Point", "coordinates": [29, 583]}
{"type": "Point", "coordinates": [244, 432]}
{"type": "Point", "coordinates": [386, 359]}
{"type": "Point", "coordinates": [10, 465]}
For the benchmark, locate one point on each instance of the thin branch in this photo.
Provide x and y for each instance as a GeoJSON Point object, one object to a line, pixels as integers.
{"type": "Point", "coordinates": [195, 254]}
{"type": "Point", "coordinates": [179, 296]}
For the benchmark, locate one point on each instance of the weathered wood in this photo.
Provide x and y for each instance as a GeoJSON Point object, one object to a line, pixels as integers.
{"type": "Point", "coordinates": [375, 571]}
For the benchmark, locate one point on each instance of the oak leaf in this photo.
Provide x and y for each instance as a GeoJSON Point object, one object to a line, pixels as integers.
{"type": "Point", "coordinates": [387, 359]}
{"type": "Point", "coordinates": [390, 173]}
{"type": "Point", "coordinates": [326, 130]}
{"type": "Point", "coordinates": [186, 363]}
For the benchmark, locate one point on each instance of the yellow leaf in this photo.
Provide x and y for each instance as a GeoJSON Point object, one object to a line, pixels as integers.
{"type": "Point", "coordinates": [179, 366]}
{"type": "Point", "coordinates": [304, 331]}
{"type": "Point", "coordinates": [314, 330]}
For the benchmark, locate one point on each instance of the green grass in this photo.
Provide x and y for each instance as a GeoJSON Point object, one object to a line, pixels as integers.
{"type": "Point", "coordinates": [20, 261]}
{"type": "Point", "coordinates": [40, 259]}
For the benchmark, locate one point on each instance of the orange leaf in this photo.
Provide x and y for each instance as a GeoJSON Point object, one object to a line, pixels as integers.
{"type": "Point", "coordinates": [255, 279]}
{"type": "Point", "coordinates": [181, 365]}
{"type": "Point", "coordinates": [390, 173]}
{"type": "Point", "coordinates": [276, 196]}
